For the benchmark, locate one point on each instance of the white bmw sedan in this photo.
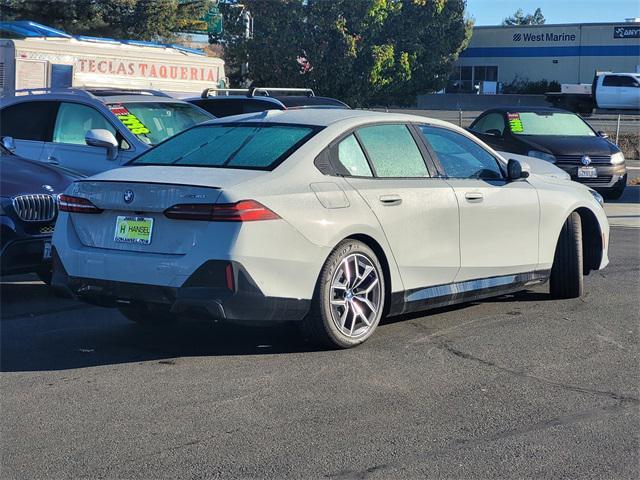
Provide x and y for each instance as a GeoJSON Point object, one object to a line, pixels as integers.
{"type": "Point", "coordinates": [331, 218]}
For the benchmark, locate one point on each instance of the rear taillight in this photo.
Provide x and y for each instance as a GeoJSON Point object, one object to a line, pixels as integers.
{"type": "Point", "coordinates": [243, 211]}
{"type": "Point", "coordinates": [67, 203]}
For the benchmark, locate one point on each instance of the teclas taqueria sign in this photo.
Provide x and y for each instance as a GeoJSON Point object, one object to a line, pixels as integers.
{"type": "Point", "coordinates": [146, 70]}
{"type": "Point", "coordinates": [52, 63]}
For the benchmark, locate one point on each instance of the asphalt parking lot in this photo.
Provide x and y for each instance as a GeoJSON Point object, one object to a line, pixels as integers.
{"type": "Point", "coordinates": [516, 387]}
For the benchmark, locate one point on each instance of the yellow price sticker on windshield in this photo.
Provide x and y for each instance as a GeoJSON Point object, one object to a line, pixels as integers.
{"type": "Point", "coordinates": [129, 120]}
{"type": "Point", "coordinates": [515, 123]}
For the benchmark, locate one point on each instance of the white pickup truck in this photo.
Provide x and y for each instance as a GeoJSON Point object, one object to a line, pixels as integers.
{"type": "Point", "coordinates": [616, 91]}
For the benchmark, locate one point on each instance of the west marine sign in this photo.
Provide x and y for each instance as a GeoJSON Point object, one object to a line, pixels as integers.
{"type": "Point", "coordinates": [544, 37]}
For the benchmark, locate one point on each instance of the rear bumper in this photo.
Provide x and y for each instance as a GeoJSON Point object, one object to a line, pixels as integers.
{"type": "Point", "coordinates": [199, 297]}
{"type": "Point", "coordinates": [608, 175]}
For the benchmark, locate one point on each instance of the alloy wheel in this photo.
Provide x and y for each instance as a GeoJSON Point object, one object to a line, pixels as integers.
{"type": "Point", "coordinates": [355, 296]}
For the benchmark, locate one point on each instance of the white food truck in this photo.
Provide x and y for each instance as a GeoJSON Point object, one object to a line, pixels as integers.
{"type": "Point", "coordinates": [65, 61]}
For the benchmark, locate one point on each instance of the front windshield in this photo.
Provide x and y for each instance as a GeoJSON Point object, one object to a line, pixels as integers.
{"type": "Point", "coordinates": [548, 123]}
{"type": "Point", "coordinates": [246, 146]}
{"type": "Point", "coordinates": [153, 122]}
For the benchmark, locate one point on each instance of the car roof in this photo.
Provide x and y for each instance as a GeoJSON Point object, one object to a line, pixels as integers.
{"type": "Point", "coordinates": [323, 117]}
{"type": "Point", "coordinates": [102, 95]}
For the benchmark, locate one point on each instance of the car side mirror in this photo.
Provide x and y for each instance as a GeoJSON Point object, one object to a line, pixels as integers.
{"type": "Point", "coordinates": [515, 171]}
{"type": "Point", "coordinates": [494, 131]}
{"type": "Point", "coordinates": [602, 134]}
{"type": "Point", "coordinates": [99, 137]}
{"type": "Point", "coordinates": [9, 144]}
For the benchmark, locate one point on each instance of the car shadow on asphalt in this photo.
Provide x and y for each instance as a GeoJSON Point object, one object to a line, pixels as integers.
{"type": "Point", "coordinates": [104, 337]}
{"type": "Point", "coordinates": [30, 297]}
{"type": "Point", "coordinates": [524, 296]}
{"type": "Point", "coordinates": [40, 332]}
{"type": "Point", "coordinates": [518, 297]}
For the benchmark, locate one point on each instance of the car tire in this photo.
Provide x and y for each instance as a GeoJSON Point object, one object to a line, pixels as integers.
{"type": "Point", "coordinates": [615, 192]}
{"type": "Point", "coordinates": [567, 279]}
{"type": "Point", "coordinates": [349, 299]}
{"type": "Point", "coordinates": [148, 316]}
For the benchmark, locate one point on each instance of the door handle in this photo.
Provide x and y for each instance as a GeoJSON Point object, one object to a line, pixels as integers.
{"type": "Point", "coordinates": [53, 160]}
{"type": "Point", "coordinates": [390, 200]}
{"type": "Point", "coordinates": [474, 196]}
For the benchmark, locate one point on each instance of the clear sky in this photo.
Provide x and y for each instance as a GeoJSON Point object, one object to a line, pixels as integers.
{"type": "Point", "coordinates": [492, 12]}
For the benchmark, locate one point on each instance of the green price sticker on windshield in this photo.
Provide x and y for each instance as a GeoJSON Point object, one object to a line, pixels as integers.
{"type": "Point", "coordinates": [515, 123]}
{"type": "Point", "coordinates": [129, 120]}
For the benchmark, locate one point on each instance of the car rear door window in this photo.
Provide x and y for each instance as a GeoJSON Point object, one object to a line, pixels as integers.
{"type": "Point", "coordinates": [393, 151]}
{"type": "Point", "coordinates": [28, 120]}
{"type": "Point", "coordinates": [460, 156]}
{"type": "Point", "coordinates": [74, 120]}
{"type": "Point", "coordinates": [352, 157]}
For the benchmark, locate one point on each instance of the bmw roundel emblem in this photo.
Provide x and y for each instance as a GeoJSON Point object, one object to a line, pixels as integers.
{"type": "Point", "coordinates": [586, 160]}
{"type": "Point", "coordinates": [128, 196]}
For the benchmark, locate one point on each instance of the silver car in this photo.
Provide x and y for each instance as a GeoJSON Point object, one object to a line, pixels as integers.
{"type": "Point", "coordinates": [331, 218]}
{"type": "Point", "coordinates": [92, 130]}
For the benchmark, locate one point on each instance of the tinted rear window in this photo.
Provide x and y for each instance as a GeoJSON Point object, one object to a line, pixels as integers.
{"type": "Point", "coordinates": [246, 146]}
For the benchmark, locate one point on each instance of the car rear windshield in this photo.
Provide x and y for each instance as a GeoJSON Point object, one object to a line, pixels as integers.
{"type": "Point", "coordinates": [246, 146]}
{"type": "Point", "coordinates": [548, 123]}
{"type": "Point", "coordinates": [154, 122]}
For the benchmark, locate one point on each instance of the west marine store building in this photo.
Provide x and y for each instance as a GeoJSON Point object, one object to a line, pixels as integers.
{"type": "Point", "coordinates": [568, 53]}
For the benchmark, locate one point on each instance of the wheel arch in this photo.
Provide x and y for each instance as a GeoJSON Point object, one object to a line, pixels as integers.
{"type": "Point", "coordinates": [592, 240]}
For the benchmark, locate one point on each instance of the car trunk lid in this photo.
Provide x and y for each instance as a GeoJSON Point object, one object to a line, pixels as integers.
{"type": "Point", "coordinates": [147, 197]}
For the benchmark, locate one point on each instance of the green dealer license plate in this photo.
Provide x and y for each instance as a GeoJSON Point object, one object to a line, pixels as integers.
{"type": "Point", "coordinates": [134, 230]}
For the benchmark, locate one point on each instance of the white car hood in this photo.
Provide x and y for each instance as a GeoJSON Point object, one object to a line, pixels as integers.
{"type": "Point", "coordinates": [537, 166]}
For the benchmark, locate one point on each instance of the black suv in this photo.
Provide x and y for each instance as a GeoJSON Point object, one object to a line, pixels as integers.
{"type": "Point", "coordinates": [28, 210]}
{"type": "Point", "coordinates": [224, 102]}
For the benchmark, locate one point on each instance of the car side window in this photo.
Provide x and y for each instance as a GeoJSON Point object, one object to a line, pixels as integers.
{"type": "Point", "coordinates": [74, 120]}
{"type": "Point", "coordinates": [352, 158]}
{"type": "Point", "coordinates": [28, 120]}
{"type": "Point", "coordinates": [460, 156]}
{"type": "Point", "coordinates": [392, 151]}
{"type": "Point", "coordinates": [491, 121]}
